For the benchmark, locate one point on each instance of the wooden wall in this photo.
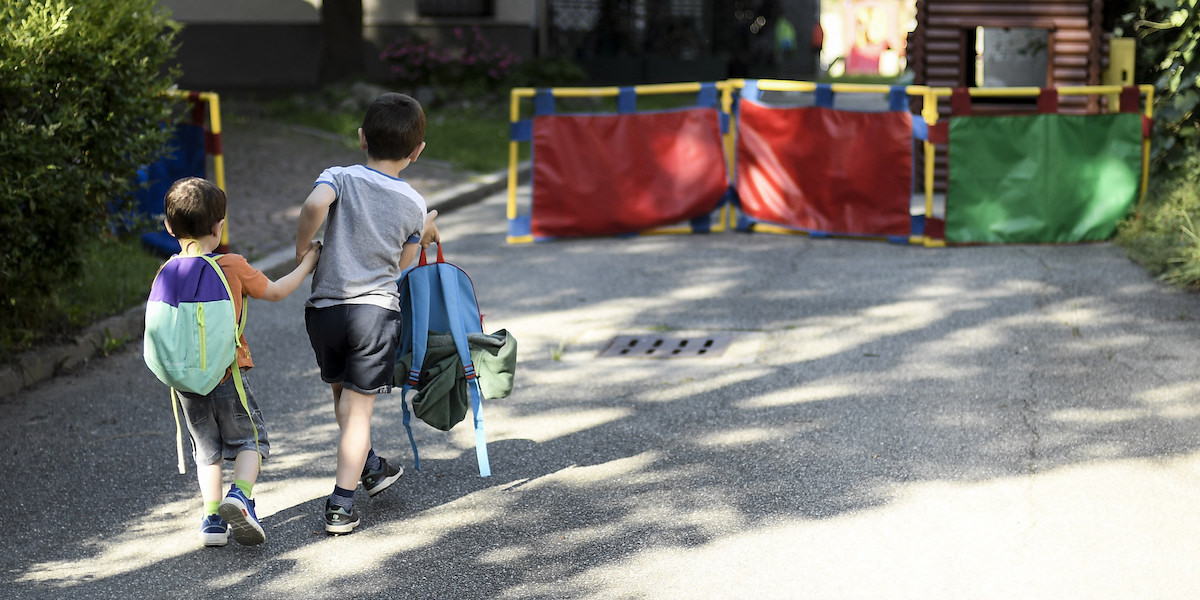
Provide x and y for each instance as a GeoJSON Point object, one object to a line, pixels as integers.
{"type": "Point", "coordinates": [938, 49]}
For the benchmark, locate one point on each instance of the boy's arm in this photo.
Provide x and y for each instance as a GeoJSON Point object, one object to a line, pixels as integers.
{"type": "Point", "coordinates": [429, 235]}
{"type": "Point", "coordinates": [312, 214]}
{"type": "Point", "coordinates": [284, 286]}
{"type": "Point", "coordinates": [407, 254]}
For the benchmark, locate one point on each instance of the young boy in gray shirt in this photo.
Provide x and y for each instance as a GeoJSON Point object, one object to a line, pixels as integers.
{"type": "Point", "coordinates": [375, 225]}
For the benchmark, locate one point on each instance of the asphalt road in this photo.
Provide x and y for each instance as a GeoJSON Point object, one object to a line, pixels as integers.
{"type": "Point", "coordinates": [886, 422]}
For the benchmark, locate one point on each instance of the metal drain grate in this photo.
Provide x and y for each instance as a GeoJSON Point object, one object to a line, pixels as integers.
{"type": "Point", "coordinates": [661, 346]}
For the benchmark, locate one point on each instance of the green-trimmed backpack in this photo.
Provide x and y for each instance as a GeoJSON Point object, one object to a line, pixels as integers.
{"type": "Point", "coordinates": [192, 332]}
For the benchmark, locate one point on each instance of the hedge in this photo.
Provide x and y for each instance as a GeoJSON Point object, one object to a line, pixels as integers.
{"type": "Point", "coordinates": [82, 106]}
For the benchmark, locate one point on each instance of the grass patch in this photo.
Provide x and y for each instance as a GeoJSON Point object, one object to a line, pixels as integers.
{"type": "Point", "coordinates": [608, 104]}
{"type": "Point", "coordinates": [1164, 238]}
{"type": "Point", "coordinates": [471, 135]}
{"type": "Point", "coordinates": [299, 111]}
{"type": "Point", "coordinates": [114, 277]}
{"type": "Point", "coordinates": [867, 79]}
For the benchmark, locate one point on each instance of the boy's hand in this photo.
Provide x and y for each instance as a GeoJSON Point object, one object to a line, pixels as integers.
{"type": "Point", "coordinates": [430, 234]}
{"type": "Point", "coordinates": [309, 260]}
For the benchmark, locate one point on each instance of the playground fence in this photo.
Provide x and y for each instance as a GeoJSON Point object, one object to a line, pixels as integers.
{"type": "Point", "coordinates": [826, 160]}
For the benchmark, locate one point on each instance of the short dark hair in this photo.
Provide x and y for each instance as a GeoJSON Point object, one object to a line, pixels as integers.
{"type": "Point", "coordinates": [194, 205]}
{"type": "Point", "coordinates": [393, 127]}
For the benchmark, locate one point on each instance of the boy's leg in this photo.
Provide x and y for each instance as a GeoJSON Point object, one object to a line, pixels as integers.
{"type": "Point", "coordinates": [204, 433]}
{"type": "Point", "coordinates": [375, 474]}
{"type": "Point", "coordinates": [245, 470]}
{"type": "Point", "coordinates": [353, 410]}
{"type": "Point", "coordinates": [353, 413]}
{"type": "Point", "coordinates": [238, 506]}
{"type": "Point", "coordinates": [243, 443]}
{"type": "Point", "coordinates": [211, 487]}
{"type": "Point", "coordinates": [213, 530]}
{"type": "Point", "coordinates": [354, 345]}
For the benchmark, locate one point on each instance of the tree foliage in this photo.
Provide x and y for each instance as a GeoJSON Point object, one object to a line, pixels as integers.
{"type": "Point", "coordinates": [82, 105]}
{"type": "Point", "coordinates": [1163, 236]}
{"type": "Point", "coordinates": [1168, 34]}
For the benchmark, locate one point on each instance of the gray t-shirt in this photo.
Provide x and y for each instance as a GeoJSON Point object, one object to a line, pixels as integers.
{"type": "Point", "coordinates": [369, 222]}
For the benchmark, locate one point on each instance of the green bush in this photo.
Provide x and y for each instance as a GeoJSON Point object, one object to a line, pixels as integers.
{"type": "Point", "coordinates": [1163, 236]}
{"type": "Point", "coordinates": [82, 105]}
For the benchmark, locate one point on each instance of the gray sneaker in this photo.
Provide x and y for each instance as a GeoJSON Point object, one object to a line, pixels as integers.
{"type": "Point", "coordinates": [338, 520]}
{"type": "Point", "coordinates": [378, 480]}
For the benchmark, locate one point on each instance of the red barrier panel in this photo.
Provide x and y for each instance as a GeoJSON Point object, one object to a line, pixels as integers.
{"type": "Point", "coordinates": [825, 170]}
{"type": "Point", "coordinates": [597, 175]}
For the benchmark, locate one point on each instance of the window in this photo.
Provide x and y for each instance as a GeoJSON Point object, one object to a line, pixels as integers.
{"type": "Point", "coordinates": [1009, 57]}
{"type": "Point", "coordinates": [454, 8]}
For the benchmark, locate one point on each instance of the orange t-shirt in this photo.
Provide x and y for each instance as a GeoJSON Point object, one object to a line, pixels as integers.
{"type": "Point", "coordinates": [244, 280]}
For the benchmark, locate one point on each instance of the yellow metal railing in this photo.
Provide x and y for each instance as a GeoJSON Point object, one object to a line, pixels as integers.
{"type": "Point", "coordinates": [214, 118]}
{"type": "Point", "coordinates": [723, 87]}
{"type": "Point", "coordinates": [781, 85]}
{"type": "Point", "coordinates": [929, 112]}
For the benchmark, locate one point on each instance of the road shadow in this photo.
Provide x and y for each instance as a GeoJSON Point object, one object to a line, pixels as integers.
{"type": "Point", "coordinates": [859, 370]}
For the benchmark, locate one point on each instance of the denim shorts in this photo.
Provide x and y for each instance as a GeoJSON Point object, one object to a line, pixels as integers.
{"type": "Point", "coordinates": [219, 426]}
{"type": "Point", "coordinates": [355, 345]}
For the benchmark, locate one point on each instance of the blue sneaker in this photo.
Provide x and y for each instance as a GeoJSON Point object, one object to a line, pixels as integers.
{"type": "Point", "coordinates": [214, 531]}
{"type": "Point", "coordinates": [238, 511]}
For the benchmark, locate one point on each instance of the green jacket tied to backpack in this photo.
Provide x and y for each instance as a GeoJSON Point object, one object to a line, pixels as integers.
{"type": "Point", "coordinates": [442, 396]}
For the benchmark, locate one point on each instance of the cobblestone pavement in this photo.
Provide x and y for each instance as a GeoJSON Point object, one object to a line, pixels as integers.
{"type": "Point", "coordinates": [270, 168]}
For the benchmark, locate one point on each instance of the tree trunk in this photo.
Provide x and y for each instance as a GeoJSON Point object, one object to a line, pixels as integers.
{"type": "Point", "coordinates": [342, 34]}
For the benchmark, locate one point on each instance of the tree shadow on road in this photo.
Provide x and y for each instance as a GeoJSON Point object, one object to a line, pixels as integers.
{"type": "Point", "coordinates": [861, 372]}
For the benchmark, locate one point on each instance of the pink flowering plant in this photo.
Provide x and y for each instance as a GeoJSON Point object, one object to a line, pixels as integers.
{"type": "Point", "coordinates": [470, 65]}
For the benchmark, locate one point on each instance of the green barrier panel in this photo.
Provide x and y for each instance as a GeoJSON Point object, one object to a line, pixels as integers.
{"type": "Point", "coordinates": [1041, 178]}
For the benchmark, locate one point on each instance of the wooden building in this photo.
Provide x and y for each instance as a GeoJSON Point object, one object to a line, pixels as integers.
{"type": "Point", "coordinates": [1010, 43]}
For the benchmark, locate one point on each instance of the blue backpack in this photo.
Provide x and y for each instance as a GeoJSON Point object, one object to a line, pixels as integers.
{"type": "Point", "coordinates": [439, 298]}
{"type": "Point", "coordinates": [192, 334]}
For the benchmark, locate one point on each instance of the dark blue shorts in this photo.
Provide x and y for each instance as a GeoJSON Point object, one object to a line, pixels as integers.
{"type": "Point", "coordinates": [355, 345]}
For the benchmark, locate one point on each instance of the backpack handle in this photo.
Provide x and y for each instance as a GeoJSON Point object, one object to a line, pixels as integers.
{"type": "Point", "coordinates": [424, 261]}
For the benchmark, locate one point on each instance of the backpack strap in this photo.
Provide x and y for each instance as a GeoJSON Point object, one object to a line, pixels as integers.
{"type": "Point", "coordinates": [178, 432]}
{"type": "Point", "coordinates": [419, 301]}
{"type": "Point", "coordinates": [407, 420]}
{"type": "Point", "coordinates": [241, 325]}
{"type": "Point", "coordinates": [418, 296]}
{"type": "Point", "coordinates": [459, 332]}
{"type": "Point", "coordinates": [481, 453]}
